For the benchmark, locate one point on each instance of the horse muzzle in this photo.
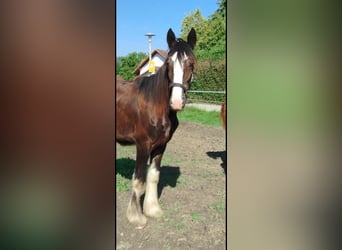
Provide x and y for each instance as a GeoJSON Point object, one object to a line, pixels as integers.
{"type": "Point", "coordinates": [178, 96]}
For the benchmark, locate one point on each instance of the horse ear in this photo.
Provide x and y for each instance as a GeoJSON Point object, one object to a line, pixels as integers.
{"type": "Point", "coordinates": [192, 38]}
{"type": "Point", "coordinates": [171, 38]}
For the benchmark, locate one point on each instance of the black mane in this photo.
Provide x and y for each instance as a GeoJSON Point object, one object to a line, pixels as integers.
{"type": "Point", "coordinates": [154, 86]}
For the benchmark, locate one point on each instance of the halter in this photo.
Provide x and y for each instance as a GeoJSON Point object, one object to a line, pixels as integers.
{"type": "Point", "coordinates": [175, 84]}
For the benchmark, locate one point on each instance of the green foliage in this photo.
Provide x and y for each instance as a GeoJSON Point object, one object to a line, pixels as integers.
{"type": "Point", "coordinates": [209, 75]}
{"type": "Point", "coordinates": [126, 64]}
{"type": "Point", "coordinates": [222, 9]}
{"type": "Point", "coordinates": [215, 53]}
{"type": "Point", "coordinates": [199, 23]}
{"type": "Point", "coordinates": [211, 32]}
{"type": "Point", "coordinates": [210, 71]}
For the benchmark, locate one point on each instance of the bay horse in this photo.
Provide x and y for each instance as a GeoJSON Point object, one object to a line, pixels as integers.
{"type": "Point", "coordinates": [146, 116]}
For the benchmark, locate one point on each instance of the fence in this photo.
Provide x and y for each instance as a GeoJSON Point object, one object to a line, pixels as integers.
{"type": "Point", "coordinates": [206, 96]}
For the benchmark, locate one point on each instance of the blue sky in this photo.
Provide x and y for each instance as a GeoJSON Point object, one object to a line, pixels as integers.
{"type": "Point", "coordinates": [135, 18]}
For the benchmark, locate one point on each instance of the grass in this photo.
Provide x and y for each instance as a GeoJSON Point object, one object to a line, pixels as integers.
{"type": "Point", "coordinates": [195, 217]}
{"type": "Point", "coordinates": [176, 221]}
{"type": "Point", "coordinates": [167, 160]}
{"type": "Point", "coordinates": [191, 114]}
{"type": "Point", "coordinates": [181, 227]}
{"type": "Point", "coordinates": [122, 184]}
{"type": "Point", "coordinates": [219, 206]}
{"type": "Point", "coordinates": [124, 171]}
{"type": "Point", "coordinates": [166, 214]}
{"type": "Point", "coordinates": [181, 180]}
{"type": "Point", "coordinates": [125, 166]}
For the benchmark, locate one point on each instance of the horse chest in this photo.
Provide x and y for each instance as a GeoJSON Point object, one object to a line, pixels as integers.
{"type": "Point", "coordinates": [159, 129]}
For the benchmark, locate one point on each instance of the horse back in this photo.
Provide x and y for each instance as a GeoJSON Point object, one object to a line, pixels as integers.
{"type": "Point", "coordinates": [125, 111]}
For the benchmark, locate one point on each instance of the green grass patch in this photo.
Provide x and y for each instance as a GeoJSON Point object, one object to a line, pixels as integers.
{"type": "Point", "coordinates": [166, 214]}
{"type": "Point", "coordinates": [181, 226]}
{"type": "Point", "coordinates": [167, 160]}
{"type": "Point", "coordinates": [195, 217]}
{"type": "Point", "coordinates": [122, 184]}
{"type": "Point", "coordinates": [219, 206]}
{"type": "Point", "coordinates": [191, 114]}
{"type": "Point", "coordinates": [181, 180]}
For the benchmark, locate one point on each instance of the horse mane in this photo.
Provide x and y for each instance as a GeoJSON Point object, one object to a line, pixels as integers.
{"type": "Point", "coordinates": [153, 86]}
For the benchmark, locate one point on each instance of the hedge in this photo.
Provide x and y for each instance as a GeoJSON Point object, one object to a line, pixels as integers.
{"type": "Point", "coordinates": [209, 76]}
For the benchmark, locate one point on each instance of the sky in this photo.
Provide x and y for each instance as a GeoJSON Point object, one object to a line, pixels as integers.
{"type": "Point", "coordinates": [135, 18]}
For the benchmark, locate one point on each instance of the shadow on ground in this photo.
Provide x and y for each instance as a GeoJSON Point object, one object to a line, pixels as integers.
{"type": "Point", "coordinates": [125, 167]}
{"type": "Point", "coordinates": [222, 156]}
{"type": "Point", "coordinates": [168, 174]}
{"type": "Point", "coordinates": [168, 177]}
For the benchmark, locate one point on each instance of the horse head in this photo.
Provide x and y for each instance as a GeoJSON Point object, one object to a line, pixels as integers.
{"type": "Point", "coordinates": [180, 65]}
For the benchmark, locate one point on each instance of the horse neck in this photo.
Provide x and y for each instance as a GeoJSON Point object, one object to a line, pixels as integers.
{"type": "Point", "coordinates": [162, 93]}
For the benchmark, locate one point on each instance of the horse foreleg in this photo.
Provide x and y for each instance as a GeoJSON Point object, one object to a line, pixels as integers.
{"type": "Point", "coordinates": [134, 212]}
{"type": "Point", "coordinates": [151, 204]}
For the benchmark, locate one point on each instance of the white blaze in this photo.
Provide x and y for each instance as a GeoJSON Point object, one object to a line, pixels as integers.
{"type": "Point", "coordinates": [177, 92]}
{"type": "Point", "coordinates": [177, 70]}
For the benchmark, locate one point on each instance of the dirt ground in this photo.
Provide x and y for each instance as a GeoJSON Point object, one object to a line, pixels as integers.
{"type": "Point", "coordinates": [192, 191]}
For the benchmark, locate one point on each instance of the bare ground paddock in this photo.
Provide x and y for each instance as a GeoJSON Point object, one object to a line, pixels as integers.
{"type": "Point", "coordinates": [192, 193]}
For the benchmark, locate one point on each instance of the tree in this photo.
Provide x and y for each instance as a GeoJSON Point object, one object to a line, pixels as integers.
{"type": "Point", "coordinates": [222, 9]}
{"type": "Point", "coordinates": [217, 24]}
{"type": "Point", "coordinates": [211, 32]}
{"type": "Point", "coordinates": [126, 64]}
{"type": "Point", "coordinates": [199, 23]}
{"type": "Point", "coordinates": [210, 71]}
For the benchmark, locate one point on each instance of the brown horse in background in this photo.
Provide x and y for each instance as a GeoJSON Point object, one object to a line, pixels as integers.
{"type": "Point", "coordinates": [146, 115]}
{"type": "Point", "coordinates": [224, 114]}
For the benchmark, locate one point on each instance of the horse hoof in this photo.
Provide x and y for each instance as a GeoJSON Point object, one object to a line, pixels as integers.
{"type": "Point", "coordinates": [157, 214]}
{"type": "Point", "coordinates": [139, 221]}
{"type": "Point", "coordinates": [154, 212]}
{"type": "Point", "coordinates": [140, 226]}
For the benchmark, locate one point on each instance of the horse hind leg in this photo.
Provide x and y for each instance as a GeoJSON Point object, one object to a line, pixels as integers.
{"type": "Point", "coordinates": [134, 212]}
{"type": "Point", "coordinates": [151, 204]}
